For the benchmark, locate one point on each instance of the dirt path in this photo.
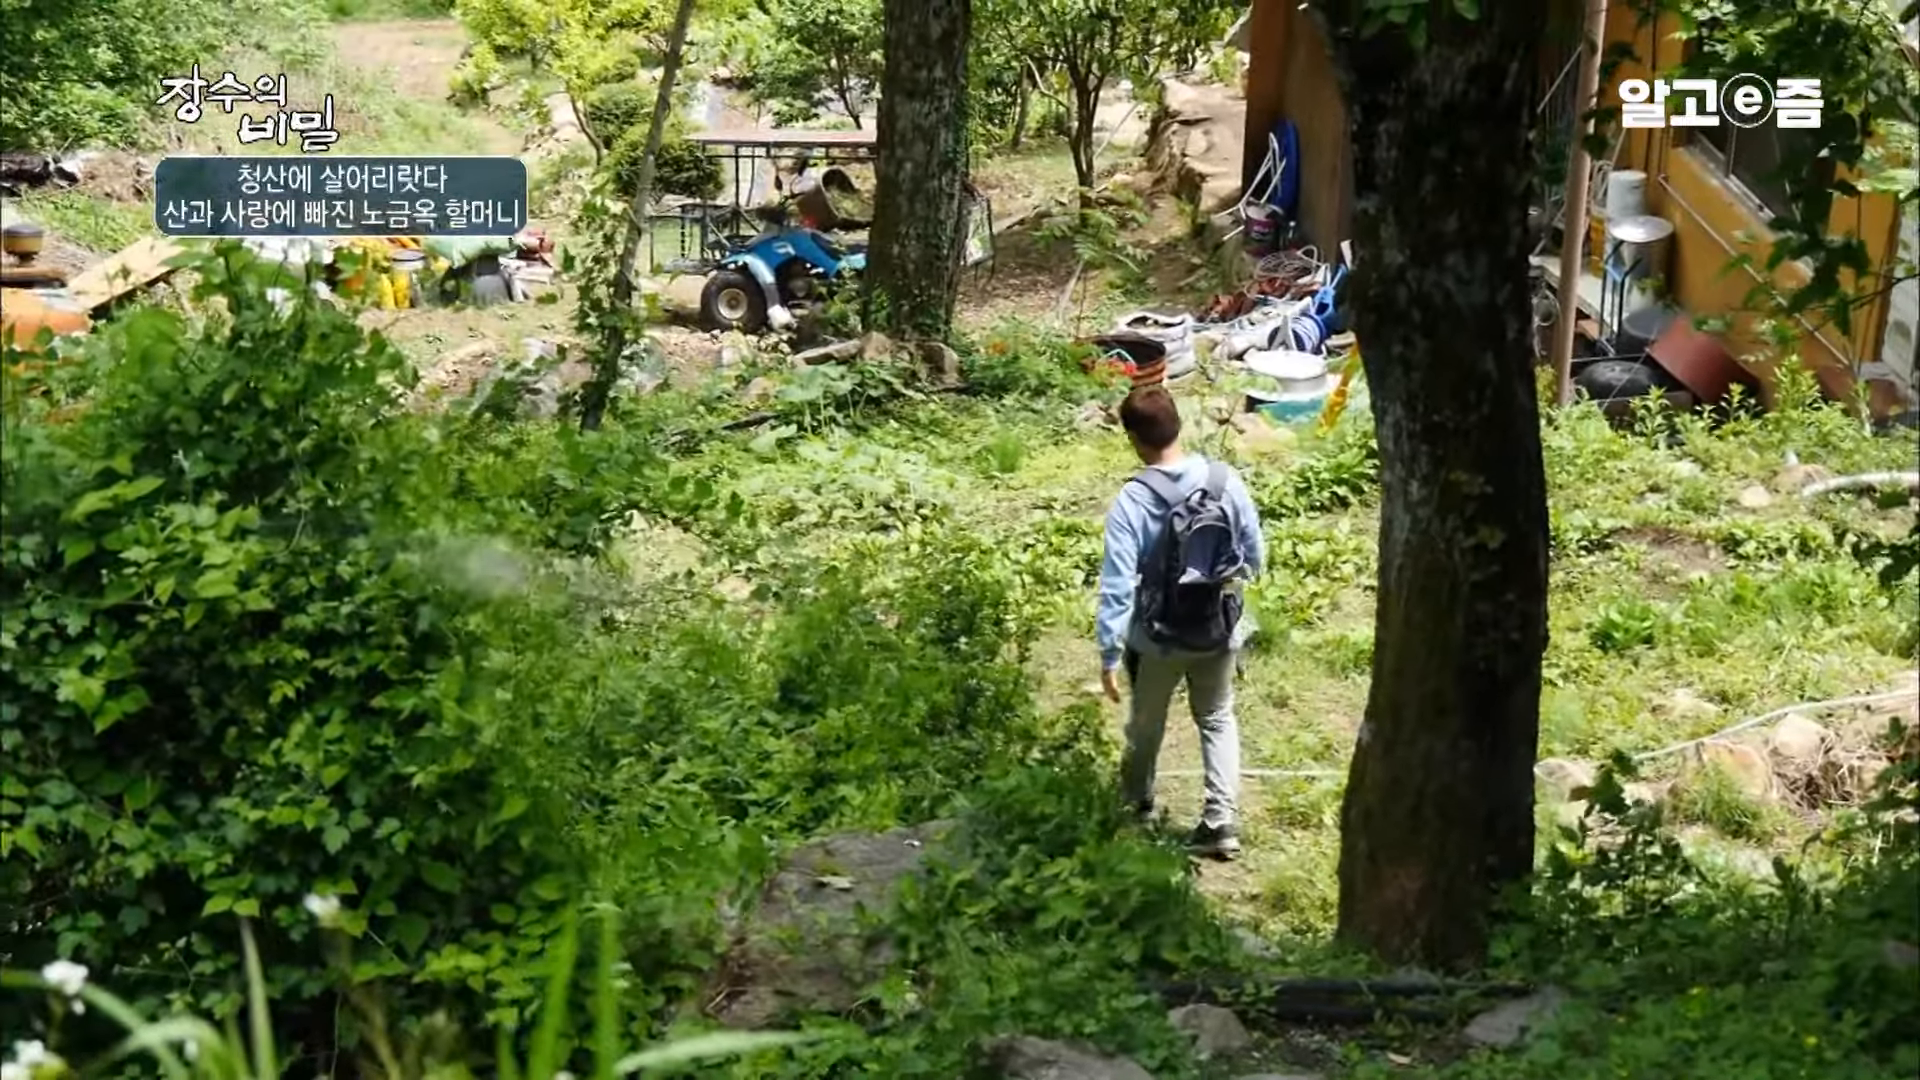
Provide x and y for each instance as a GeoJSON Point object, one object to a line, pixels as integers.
{"type": "Point", "coordinates": [418, 57]}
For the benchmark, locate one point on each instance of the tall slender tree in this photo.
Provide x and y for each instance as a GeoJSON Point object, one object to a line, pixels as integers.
{"type": "Point", "coordinates": [1438, 811]}
{"type": "Point", "coordinates": [918, 233]}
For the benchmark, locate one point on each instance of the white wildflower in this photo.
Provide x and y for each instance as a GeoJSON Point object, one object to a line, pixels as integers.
{"type": "Point", "coordinates": [281, 299]}
{"type": "Point", "coordinates": [15, 1071]}
{"type": "Point", "coordinates": [30, 1053]}
{"type": "Point", "coordinates": [324, 909]}
{"type": "Point", "coordinates": [78, 1006]}
{"type": "Point", "coordinates": [65, 976]}
{"type": "Point", "coordinates": [321, 290]}
{"type": "Point", "coordinates": [563, 1075]}
{"type": "Point", "coordinates": [190, 1048]}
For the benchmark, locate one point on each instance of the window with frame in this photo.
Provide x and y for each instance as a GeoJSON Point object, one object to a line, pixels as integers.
{"type": "Point", "coordinates": [1751, 157]}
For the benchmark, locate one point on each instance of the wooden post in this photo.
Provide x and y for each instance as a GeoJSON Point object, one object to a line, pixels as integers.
{"type": "Point", "coordinates": [1574, 216]}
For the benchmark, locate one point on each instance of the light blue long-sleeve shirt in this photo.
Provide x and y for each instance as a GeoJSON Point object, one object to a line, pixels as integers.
{"type": "Point", "coordinates": [1134, 524]}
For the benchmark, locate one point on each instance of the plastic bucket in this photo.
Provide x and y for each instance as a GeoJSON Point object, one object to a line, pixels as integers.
{"type": "Point", "coordinates": [1263, 228]}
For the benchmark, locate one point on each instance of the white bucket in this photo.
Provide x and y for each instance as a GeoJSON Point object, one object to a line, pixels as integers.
{"type": "Point", "coordinates": [1626, 194]}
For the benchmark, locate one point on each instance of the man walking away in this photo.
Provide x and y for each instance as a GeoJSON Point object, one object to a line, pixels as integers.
{"type": "Point", "coordinates": [1181, 537]}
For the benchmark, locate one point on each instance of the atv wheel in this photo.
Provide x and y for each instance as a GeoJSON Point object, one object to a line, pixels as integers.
{"type": "Point", "coordinates": [733, 301]}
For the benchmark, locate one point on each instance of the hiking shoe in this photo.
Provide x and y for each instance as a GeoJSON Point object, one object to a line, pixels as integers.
{"type": "Point", "coordinates": [1214, 842]}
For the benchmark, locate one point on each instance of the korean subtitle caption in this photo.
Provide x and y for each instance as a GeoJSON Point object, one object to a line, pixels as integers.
{"type": "Point", "coordinates": [1743, 101]}
{"type": "Point", "coordinates": [224, 196]}
{"type": "Point", "coordinates": [193, 92]}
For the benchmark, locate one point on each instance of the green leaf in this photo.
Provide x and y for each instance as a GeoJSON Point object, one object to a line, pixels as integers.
{"type": "Point", "coordinates": [440, 876]}
{"type": "Point", "coordinates": [77, 548]}
{"type": "Point", "coordinates": [334, 837]}
{"type": "Point", "coordinates": [217, 904]}
{"type": "Point", "coordinates": [215, 584]}
{"type": "Point", "coordinates": [139, 794]}
{"type": "Point", "coordinates": [410, 931]}
{"type": "Point", "coordinates": [248, 907]}
{"type": "Point", "coordinates": [516, 805]}
{"type": "Point", "coordinates": [1468, 8]}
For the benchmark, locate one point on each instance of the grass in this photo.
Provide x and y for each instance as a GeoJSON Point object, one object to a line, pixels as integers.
{"type": "Point", "coordinates": [1666, 590]}
{"type": "Point", "coordinates": [89, 221]}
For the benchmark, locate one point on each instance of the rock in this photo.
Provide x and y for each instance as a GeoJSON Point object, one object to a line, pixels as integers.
{"type": "Point", "coordinates": [1684, 469]}
{"type": "Point", "coordinates": [1022, 1057]}
{"type": "Point", "coordinates": [759, 391]}
{"type": "Point", "coordinates": [941, 363]}
{"type": "Point", "coordinates": [1790, 480]}
{"type": "Point", "coordinates": [1744, 765]}
{"type": "Point", "coordinates": [1195, 143]}
{"type": "Point", "coordinates": [1255, 945]}
{"type": "Point", "coordinates": [1798, 740]}
{"type": "Point", "coordinates": [876, 348]}
{"type": "Point", "coordinates": [1563, 777]}
{"type": "Point", "coordinates": [1093, 415]}
{"type": "Point", "coordinates": [1684, 704]}
{"type": "Point", "coordinates": [1900, 954]}
{"type": "Point", "coordinates": [1643, 793]}
{"type": "Point", "coordinates": [1755, 497]}
{"type": "Point", "coordinates": [1507, 1023]}
{"type": "Point", "coordinates": [804, 945]}
{"type": "Point", "coordinates": [1216, 1031]}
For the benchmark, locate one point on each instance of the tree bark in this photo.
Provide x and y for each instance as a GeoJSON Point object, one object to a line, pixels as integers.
{"type": "Point", "coordinates": [916, 239]}
{"type": "Point", "coordinates": [1438, 812]}
{"type": "Point", "coordinates": [1086, 114]}
{"type": "Point", "coordinates": [1022, 108]}
{"type": "Point", "coordinates": [599, 389]}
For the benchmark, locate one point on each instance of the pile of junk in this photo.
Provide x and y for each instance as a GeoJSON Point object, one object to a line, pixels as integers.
{"type": "Point", "coordinates": [1285, 333]}
{"type": "Point", "coordinates": [410, 272]}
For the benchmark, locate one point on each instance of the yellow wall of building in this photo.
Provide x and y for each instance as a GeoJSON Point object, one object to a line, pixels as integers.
{"type": "Point", "coordinates": [1715, 219]}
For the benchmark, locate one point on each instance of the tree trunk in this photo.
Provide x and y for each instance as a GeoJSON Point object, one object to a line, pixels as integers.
{"type": "Point", "coordinates": [1086, 113]}
{"type": "Point", "coordinates": [1438, 813]}
{"type": "Point", "coordinates": [599, 389]}
{"type": "Point", "coordinates": [914, 257]}
{"type": "Point", "coordinates": [1023, 106]}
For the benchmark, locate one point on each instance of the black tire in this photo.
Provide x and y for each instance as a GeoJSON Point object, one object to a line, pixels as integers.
{"type": "Point", "coordinates": [1615, 380]}
{"type": "Point", "coordinates": [732, 300]}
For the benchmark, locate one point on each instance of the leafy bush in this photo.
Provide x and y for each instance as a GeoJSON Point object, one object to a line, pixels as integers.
{"type": "Point", "coordinates": [89, 73]}
{"type": "Point", "coordinates": [682, 167]}
{"type": "Point", "coordinates": [251, 653]}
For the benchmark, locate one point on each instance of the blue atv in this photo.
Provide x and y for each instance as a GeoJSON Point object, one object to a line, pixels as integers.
{"type": "Point", "coordinates": [778, 275]}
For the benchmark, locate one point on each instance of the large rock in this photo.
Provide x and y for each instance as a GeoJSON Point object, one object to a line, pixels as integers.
{"type": "Point", "coordinates": [1745, 766]}
{"type": "Point", "coordinates": [1798, 741]}
{"type": "Point", "coordinates": [805, 945]}
{"type": "Point", "coordinates": [1508, 1022]}
{"type": "Point", "coordinates": [1022, 1057]}
{"type": "Point", "coordinates": [1561, 777]}
{"type": "Point", "coordinates": [1216, 1031]}
{"type": "Point", "coordinates": [1195, 144]}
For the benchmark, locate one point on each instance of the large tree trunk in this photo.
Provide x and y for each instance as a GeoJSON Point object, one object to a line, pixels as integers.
{"type": "Point", "coordinates": [1086, 116]}
{"type": "Point", "coordinates": [916, 240]}
{"type": "Point", "coordinates": [1438, 815]}
{"type": "Point", "coordinates": [599, 389]}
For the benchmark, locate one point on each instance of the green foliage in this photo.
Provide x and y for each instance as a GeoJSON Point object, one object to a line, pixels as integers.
{"type": "Point", "coordinates": [1864, 142]}
{"type": "Point", "coordinates": [680, 168]}
{"type": "Point", "coordinates": [246, 641]}
{"type": "Point", "coordinates": [1677, 970]}
{"type": "Point", "coordinates": [185, 1046]}
{"type": "Point", "coordinates": [79, 74]}
{"type": "Point", "coordinates": [1088, 46]}
{"type": "Point", "coordinates": [807, 55]}
{"type": "Point", "coordinates": [1019, 361]}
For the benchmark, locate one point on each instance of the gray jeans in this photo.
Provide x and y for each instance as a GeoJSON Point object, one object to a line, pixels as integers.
{"type": "Point", "coordinates": [1209, 677]}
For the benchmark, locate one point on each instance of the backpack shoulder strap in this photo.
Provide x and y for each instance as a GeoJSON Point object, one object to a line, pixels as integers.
{"type": "Point", "coordinates": [1217, 479]}
{"type": "Point", "coordinates": [1162, 485]}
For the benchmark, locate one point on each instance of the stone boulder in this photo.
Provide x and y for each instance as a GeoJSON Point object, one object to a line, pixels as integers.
{"type": "Point", "coordinates": [1022, 1057]}
{"type": "Point", "coordinates": [807, 944]}
{"type": "Point", "coordinates": [1196, 143]}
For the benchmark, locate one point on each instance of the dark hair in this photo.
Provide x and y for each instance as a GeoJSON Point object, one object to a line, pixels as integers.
{"type": "Point", "coordinates": [1150, 415]}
